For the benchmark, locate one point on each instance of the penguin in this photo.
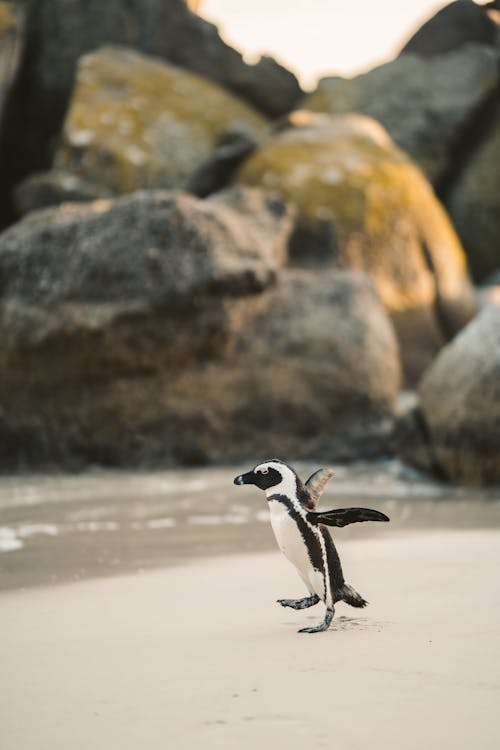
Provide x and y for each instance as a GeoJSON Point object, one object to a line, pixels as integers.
{"type": "Point", "coordinates": [302, 534]}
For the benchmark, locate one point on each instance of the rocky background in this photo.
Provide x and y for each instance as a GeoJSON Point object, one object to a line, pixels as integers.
{"type": "Point", "coordinates": [201, 263]}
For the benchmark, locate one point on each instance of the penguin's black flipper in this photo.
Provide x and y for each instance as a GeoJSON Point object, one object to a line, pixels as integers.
{"type": "Point", "coordinates": [345, 516]}
{"type": "Point", "coordinates": [316, 483]}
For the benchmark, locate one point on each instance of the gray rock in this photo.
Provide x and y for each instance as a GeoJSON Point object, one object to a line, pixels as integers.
{"type": "Point", "coordinates": [460, 403]}
{"type": "Point", "coordinates": [425, 103]}
{"type": "Point", "coordinates": [214, 174]}
{"type": "Point", "coordinates": [150, 330]}
{"type": "Point", "coordinates": [474, 204]}
{"type": "Point", "coordinates": [314, 374]}
{"type": "Point", "coordinates": [128, 285]}
{"type": "Point", "coordinates": [321, 362]}
{"type": "Point", "coordinates": [363, 204]}
{"type": "Point", "coordinates": [46, 189]}
{"type": "Point", "coordinates": [61, 31]}
{"type": "Point", "coordinates": [11, 28]}
{"type": "Point", "coordinates": [411, 438]}
{"type": "Point", "coordinates": [163, 124]}
{"type": "Point", "coordinates": [458, 23]}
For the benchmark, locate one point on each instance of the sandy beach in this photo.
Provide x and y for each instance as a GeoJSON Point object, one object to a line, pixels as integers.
{"type": "Point", "coordinates": [202, 656]}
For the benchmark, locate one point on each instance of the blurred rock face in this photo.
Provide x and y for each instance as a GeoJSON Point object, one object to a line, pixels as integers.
{"type": "Point", "coordinates": [314, 374]}
{"type": "Point", "coordinates": [474, 205]}
{"type": "Point", "coordinates": [44, 189]}
{"type": "Point", "coordinates": [59, 32]}
{"type": "Point", "coordinates": [160, 328]}
{"type": "Point", "coordinates": [135, 122]}
{"type": "Point", "coordinates": [439, 102]}
{"type": "Point", "coordinates": [458, 23]}
{"type": "Point", "coordinates": [173, 267]}
{"type": "Point", "coordinates": [460, 404]}
{"type": "Point", "coordinates": [11, 23]}
{"type": "Point", "coordinates": [425, 103]}
{"type": "Point", "coordinates": [362, 204]}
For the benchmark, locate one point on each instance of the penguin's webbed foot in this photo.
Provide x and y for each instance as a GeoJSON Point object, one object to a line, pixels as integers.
{"type": "Point", "coordinates": [308, 601]}
{"type": "Point", "coordinates": [323, 626]}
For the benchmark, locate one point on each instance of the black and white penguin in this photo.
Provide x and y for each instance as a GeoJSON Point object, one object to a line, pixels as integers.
{"type": "Point", "coordinates": [303, 537]}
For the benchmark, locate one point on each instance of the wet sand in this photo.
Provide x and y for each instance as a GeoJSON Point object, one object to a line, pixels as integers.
{"type": "Point", "coordinates": [67, 528]}
{"type": "Point", "coordinates": [200, 656]}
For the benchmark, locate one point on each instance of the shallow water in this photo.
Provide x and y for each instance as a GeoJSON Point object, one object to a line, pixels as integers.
{"type": "Point", "coordinates": [60, 528]}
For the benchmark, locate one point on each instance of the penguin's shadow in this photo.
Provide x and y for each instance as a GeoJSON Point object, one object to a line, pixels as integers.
{"type": "Point", "coordinates": [357, 623]}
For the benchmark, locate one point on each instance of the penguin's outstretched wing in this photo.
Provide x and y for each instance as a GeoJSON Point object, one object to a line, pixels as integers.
{"type": "Point", "coordinates": [317, 482]}
{"type": "Point", "coordinates": [345, 516]}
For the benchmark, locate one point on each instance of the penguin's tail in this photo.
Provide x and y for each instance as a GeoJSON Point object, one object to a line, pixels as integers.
{"type": "Point", "coordinates": [350, 596]}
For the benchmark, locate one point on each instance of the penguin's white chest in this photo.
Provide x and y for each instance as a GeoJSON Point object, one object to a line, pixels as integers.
{"type": "Point", "coordinates": [292, 544]}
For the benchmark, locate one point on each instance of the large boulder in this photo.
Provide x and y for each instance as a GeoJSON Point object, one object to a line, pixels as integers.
{"type": "Point", "coordinates": [314, 375]}
{"type": "Point", "coordinates": [132, 284]}
{"type": "Point", "coordinates": [11, 24]}
{"type": "Point", "coordinates": [460, 403]}
{"type": "Point", "coordinates": [59, 32]}
{"type": "Point", "coordinates": [136, 122]}
{"type": "Point", "coordinates": [426, 104]}
{"type": "Point", "coordinates": [474, 205]}
{"type": "Point", "coordinates": [363, 204]}
{"type": "Point", "coordinates": [161, 328]}
{"type": "Point", "coordinates": [458, 23]}
{"type": "Point", "coordinates": [318, 370]}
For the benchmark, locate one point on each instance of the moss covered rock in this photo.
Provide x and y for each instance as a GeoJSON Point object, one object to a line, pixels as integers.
{"type": "Point", "coordinates": [61, 31]}
{"type": "Point", "coordinates": [363, 204]}
{"type": "Point", "coordinates": [136, 122]}
{"type": "Point", "coordinates": [8, 20]}
{"type": "Point", "coordinates": [11, 24]}
{"type": "Point", "coordinates": [425, 103]}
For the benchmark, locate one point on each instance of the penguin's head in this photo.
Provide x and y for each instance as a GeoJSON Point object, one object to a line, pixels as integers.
{"type": "Point", "coordinates": [269, 474]}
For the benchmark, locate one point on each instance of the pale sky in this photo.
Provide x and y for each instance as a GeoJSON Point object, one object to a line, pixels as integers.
{"type": "Point", "coordinates": [319, 37]}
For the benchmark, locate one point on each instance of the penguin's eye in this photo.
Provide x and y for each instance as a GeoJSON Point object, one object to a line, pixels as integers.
{"type": "Point", "coordinates": [264, 471]}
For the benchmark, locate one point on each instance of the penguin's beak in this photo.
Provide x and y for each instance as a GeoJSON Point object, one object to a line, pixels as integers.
{"type": "Point", "coordinates": [248, 478]}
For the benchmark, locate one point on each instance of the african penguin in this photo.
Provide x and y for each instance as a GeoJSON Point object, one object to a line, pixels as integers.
{"type": "Point", "coordinates": [303, 537]}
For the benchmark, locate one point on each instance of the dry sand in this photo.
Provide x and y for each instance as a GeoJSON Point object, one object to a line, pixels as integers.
{"type": "Point", "coordinates": [202, 657]}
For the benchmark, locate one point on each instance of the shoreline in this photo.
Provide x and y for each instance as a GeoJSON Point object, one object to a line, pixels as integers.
{"type": "Point", "coordinates": [75, 528]}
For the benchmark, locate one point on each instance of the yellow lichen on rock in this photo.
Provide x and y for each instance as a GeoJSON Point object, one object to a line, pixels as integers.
{"type": "Point", "coordinates": [356, 190]}
{"type": "Point", "coordinates": [136, 122]}
{"type": "Point", "coordinates": [425, 102]}
{"type": "Point", "coordinates": [7, 20]}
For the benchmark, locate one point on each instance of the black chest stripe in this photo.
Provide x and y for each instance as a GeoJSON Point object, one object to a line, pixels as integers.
{"type": "Point", "coordinates": [334, 566]}
{"type": "Point", "coordinates": [310, 539]}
